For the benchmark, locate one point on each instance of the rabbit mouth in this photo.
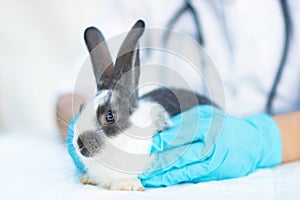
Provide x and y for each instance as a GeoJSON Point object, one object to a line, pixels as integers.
{"type": "Point", "coordinates": [89, 143]}
{"type": "Point", "coordinates": [82, 149]}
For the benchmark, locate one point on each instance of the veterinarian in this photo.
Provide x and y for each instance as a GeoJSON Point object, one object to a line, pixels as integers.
{"type": "Point", "coordinates": [255, 46]}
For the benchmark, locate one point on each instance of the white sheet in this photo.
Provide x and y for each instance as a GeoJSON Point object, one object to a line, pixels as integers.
{"type": "Point", "coordinates": [37, 166]}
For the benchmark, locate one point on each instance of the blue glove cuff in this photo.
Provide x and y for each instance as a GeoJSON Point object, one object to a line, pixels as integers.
{"type": "Point", "coordinates": [270, 138]}
{"type": "Point", "coordinates": [71, 149]}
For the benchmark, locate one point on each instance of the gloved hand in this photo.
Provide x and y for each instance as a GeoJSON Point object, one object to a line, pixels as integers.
{"type": "Point", "coordinates": [71, 149]}
{"type": "Point", "coordinates": [206, 144]}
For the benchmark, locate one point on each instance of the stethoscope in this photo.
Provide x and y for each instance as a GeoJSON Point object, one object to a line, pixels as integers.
{"type": "Point", "coordinates": [189, 8]}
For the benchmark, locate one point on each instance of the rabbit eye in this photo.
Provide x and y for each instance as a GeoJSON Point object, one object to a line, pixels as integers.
{"type": "Point", "coordinates": [110, 117]}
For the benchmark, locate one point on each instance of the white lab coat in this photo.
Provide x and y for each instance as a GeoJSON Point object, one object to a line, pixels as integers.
{"type": "Point", "coordinates": [244, 39]}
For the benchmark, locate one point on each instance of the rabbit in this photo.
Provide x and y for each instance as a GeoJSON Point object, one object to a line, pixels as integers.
{"type": "Point", "coordinates": [113, 130]}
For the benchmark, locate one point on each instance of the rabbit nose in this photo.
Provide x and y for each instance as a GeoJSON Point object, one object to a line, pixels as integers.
{"type": "Point", "coordinates": [83, 150]}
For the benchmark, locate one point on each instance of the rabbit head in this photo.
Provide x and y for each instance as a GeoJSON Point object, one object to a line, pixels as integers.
{"type": "Point", "coordinates": [108, 113]}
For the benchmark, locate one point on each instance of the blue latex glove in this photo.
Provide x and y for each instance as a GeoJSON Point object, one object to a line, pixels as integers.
{"type": "Point", "coordinates": [71, 149]}
{"type": "Point", "coordinates": [206, 144]}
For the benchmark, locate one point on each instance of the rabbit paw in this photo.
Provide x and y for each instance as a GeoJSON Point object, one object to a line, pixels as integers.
{"type": "Point", "coordinates": [84, 179]}
{"type": "Point", "coordinates": [161, 118]}
{"type": "Point", "coordinates": [127, 184]}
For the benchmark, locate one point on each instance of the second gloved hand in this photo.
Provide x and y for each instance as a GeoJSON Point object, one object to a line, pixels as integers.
{"type": "Point", "coordinates": [207, 144]}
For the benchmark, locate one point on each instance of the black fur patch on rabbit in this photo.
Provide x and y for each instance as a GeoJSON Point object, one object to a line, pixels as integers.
{"type": "Point", "coordinates": [175, 100]}
{"type": "Point", "coordinates": [121, 110]}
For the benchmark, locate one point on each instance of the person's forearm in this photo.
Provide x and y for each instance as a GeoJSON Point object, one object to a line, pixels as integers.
{"type": "Point", "coordinates": [67, 106]}
{"type": "Point", "coordinates": [289, 126]}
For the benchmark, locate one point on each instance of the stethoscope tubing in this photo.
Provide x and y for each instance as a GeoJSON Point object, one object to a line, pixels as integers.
{"type": "Point", "coordinates": [188, 7]}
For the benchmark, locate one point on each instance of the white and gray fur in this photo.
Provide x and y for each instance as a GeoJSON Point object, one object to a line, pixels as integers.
{"type": "Point", "coordinates": [115, 153]}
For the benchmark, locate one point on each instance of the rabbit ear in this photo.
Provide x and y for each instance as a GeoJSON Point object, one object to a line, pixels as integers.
{"type": "Point", "coordinates": [100, 56]}
{"type": "Point", "coordinates": [127, 69]}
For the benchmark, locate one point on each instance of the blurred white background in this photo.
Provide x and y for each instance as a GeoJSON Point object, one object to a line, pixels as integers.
{"type": "Point", "coordinates": [40, 43]}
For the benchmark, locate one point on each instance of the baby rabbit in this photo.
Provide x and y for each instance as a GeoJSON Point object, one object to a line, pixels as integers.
{"type": "Point", "coordinates": [114, 129]}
